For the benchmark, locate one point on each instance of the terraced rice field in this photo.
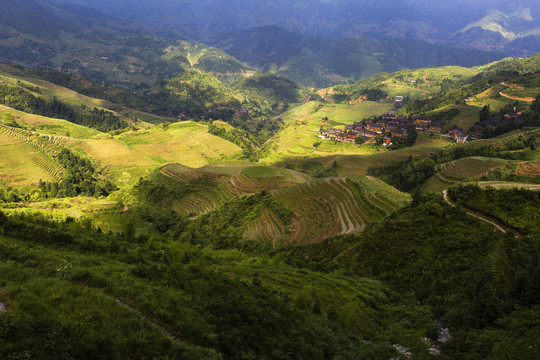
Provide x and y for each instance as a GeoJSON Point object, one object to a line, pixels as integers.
{"type": "Point", "coordinates": [529, 169]}
{"type": "Point", "coordinates": [24, 170]}
{"type": "Point", "coordinates": [467, 168]}
{"type": "Point", "coordinates": [507, 185]}
{"type": "Point", "coordinates": [187, 143]}
{"type": "Point", "coordinates": [453, 172]}
{"type": "Point", "coordinates": [266, 227]}
{"type": "Point", "coordinates": [213, 185]}
{"type": "Point", "coordinates": [250, 181]}
{"type": "Point", "coordinates": [35, 164]}
{"type": "Point", "coordinates": [336, 205]}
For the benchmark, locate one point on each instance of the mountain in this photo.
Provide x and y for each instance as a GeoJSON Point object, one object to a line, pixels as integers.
{"type": "Point", "coordinates": [500, 30]}
{"type": "Point", "coordinates": [433, 21]}
{"type": "Point", "coordinates": [323, 61]}
{"type": "Point", "coordinates": [88, 42]}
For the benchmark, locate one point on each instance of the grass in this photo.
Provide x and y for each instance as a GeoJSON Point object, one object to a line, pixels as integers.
{"type": "Point", "coordinates": [20, 170]}
{"type": "Point", "coordinates": [299, 137]}
{"type": "Point", "coordinates": [42, 124]}
{"type": "Point", "coordinates": [187, 143]}
{"type": "Point", "coordinates": [134, 154]}
{"type": "Point", "coordinates": [260, 172]}
{"type": "Point", "coordinates": [124, 164]}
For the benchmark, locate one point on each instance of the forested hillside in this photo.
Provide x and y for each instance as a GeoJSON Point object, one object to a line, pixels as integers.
{"type": "Point", "coordinates": [160, 199]}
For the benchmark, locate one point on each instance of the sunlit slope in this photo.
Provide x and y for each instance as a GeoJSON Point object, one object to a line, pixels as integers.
{"type": "Point", "coordinates": [211, 186]}
{"type": "Point", "coordinates": [329, 206]}
{"type": "Point", "coordinates": [299, 136]}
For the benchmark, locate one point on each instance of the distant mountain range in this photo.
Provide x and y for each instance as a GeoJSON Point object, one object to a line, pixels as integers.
{"type": "Point", "coordinates": [319, 61]}
{"type": "Point", "coordinates": [483, 24]}
{"type": "Point", "coordinates": [76, 38]}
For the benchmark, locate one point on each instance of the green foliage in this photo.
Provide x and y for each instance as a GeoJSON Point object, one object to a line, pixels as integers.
{"type": "Point", "coordinates": [470, 275]}
{"type": "Point", "coordinates": [271, 88]}
{"type": "Point", "coordinates": [518, 208]}
{"type": "Point", "coordinates": [78, 178]}
{"type": "Point", "coordinates": [401, 142]}
{"type": "Point", "coordinates": [22, 100]}
{"type": "Point", "coordinates": [451, 97]}
{"type": "Point", "coordinates": [73, 295]}
{"type": "Point", "coordinates": [224, 227]}
{"type": "Point", "coordinates": [238, 137]}
{"type": "Point", "coordinates": [406, 175]}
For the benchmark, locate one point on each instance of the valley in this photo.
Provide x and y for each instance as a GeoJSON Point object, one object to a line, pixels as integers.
{"type": "Point", "coordinates": [173, 188]}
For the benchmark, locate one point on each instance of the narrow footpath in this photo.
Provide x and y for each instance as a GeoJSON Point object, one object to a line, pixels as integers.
{"type": "Point", "coordinates": [499, 227]}
{"type": "Point", "coordinates": [152, 322]}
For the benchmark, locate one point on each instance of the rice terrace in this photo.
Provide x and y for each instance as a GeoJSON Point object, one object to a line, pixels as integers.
{"type": "Point", "coordinates": [269, 180]}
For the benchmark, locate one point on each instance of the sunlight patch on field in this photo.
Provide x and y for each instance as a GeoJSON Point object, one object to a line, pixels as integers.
{"type": "Point", "coordinates": [21, 163]}
{"type": "Point", "coordinates": [186, 143]}
{"type": "Point", "coordinates": [299, 137]}
{"type": "Point", "coordinates": [51, 126]}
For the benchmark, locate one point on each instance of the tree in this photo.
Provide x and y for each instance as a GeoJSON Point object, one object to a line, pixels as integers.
{"type": "Point", "coordinates": [411, 135]}
{"type": "Point", "coordinates": [484, 114]}
{"type": "Point", "coordinates": [359, 140]}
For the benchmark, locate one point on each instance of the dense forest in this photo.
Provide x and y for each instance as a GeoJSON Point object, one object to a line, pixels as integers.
{"type": "Point", "coordinates": [517, 208]}
{"type": "Point", "coordinates": [79, 177]}
{"type": "Point", "coordinates": [426, 267]}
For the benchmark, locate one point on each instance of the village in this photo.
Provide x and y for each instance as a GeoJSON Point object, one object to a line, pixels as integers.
{"type": "Point", "coordinates": [390, 126]}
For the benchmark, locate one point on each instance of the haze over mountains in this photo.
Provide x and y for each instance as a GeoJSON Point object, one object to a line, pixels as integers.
{"type": "Point", "coordinates": [321, 48]}
{"type": "Point", "coordinates": [488, 24]}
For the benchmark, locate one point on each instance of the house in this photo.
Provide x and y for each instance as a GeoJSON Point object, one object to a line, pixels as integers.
{"type": "Point", "coordinates": [375, 127]}
{"type": "Point", "coordinates": [421, 120]}
{"type": "Point", "coordinates": [411, 80]}
{"type": "Point", "coordinates": [459, 136]}
{"type": "Point", "coordinates": [398, 132]}
{"type": "Point", "coordinates": [332, 133]}
{"type": "Point", "coordinates": [512, 115]}
{"type": "Point", "coordinates": [382, 122]}
{"type": "Point", "coordinates": [367, 133]}
{"type": "Point", "coordinates": [398, 98]}
{"type": "Point", "coordinates": [386, 141]}
{"type": "Point", "coordinates": [389, 116]}
{"type": "Point", "coordinates": [436, 126]}
{"type": "Point", "coordinates": [477, 130]}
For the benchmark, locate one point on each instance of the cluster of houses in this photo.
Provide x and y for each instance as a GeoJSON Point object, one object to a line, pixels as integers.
{"type": "Point", "coordinates": [389, 125]}
{"type": "Point", "coordinates": [239, 112]}
{"type": "Point", "coordinates": [495, 122]}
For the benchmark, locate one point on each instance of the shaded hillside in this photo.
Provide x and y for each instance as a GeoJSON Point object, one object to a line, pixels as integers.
{"type": "Point", "coordinates": [323, 61]}
{"type": "Point", "coordinates": [286, 206]}
{"type": "Point", "coordinates": [67, 293]}
{"type": "Point", "coordinates": [88, 42]}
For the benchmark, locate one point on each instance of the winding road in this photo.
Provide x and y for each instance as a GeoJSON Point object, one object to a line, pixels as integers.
{"type": "Point", "coordinates": [500, 228]}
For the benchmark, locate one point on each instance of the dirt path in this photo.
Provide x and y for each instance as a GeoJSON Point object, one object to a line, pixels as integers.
{"type": "Point", "coordinates": [499, 227]}
{"type": "Point", "coordinates": [152, 322]}
{"type": "Point", "coordinates": [513, 86]}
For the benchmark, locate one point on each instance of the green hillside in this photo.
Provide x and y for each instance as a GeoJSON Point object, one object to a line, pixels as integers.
{"type": "Point", "coordinates": [195, 210]}
{"type": "Point", "coordinates": [286, 206]}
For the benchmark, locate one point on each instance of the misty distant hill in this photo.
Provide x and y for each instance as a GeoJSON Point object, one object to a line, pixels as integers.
{"type": "Point", "coordinates": [483, 24]}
